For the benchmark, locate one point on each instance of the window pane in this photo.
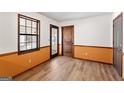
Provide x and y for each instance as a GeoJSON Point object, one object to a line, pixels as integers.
{"type": "Point", "coordinates": [22, 21]}
{"type": "Point", "coordinates": [34, 38]}
{"type": "Point", "coordinates": [34, 31]}
{"type": "Point", "coordinates": [22, 29]}
{"type": "Point", "coordinates": [22, 38]}
{"type": "Point", "coordinates": [22, 46]}
{"type": "Point", "coordinates": [28, 45]}
{"type": "Point", "coordinates": [28, 31]}
{"type": "Point", "coordinates": [34, 45]}
{"type": "Point", "coordinates": [29, 39]}
{"type": "Point", "coordinates": [28, 23]}
{"type": "Point", "coordinates": [34, 24]}
{"type": "Point", "coordinates": [54, 40]}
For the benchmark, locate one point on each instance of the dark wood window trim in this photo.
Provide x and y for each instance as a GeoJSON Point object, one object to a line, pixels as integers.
{"type": "Point", "coordinates": [36, 35]}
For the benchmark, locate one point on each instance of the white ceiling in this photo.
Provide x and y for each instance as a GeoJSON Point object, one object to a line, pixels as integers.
{"type": "Point", "coordinates": [62, 16]}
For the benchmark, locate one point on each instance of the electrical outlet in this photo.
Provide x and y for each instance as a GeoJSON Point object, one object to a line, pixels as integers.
{"type": "Point", "coordinates": [29, 61]}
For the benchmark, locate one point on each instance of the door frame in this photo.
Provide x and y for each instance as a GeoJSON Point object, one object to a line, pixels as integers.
{"type": "Point", "coordinates": [53, 26]}
{"type": "Point", "coordinates": [121, 14]}
{"type": "Point", "coordinates": [62, 39]}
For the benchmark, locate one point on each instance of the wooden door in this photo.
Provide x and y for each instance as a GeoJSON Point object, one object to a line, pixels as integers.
{"type": "Point", "coordinates": [118, 43]}
{"type": "Point", "coordinates": [54, 41]}
{"type": "Point", "coordinates": [67, 38]}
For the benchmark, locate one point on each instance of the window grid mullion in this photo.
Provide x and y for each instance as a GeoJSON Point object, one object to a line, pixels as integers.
{"type": "Point", "coordinates": [37, 33]}
{"type": "Point", "coordinates": [26, 32]}
{"type": "Point", "coordinates": [31, 35]}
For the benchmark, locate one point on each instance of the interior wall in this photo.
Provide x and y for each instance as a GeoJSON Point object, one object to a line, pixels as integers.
{"type": "Point", "coordinates": [123, 68]}
{"type": "Point", "coordinates": [92, 31]}
{"type": "Point", "coordinates": [13, 64]}
{"type": "Point", "coordinates": [96, 32]}
{"type": "Point", "coordinates": [9, 31]}
{"type": "Point", "coordinates": [99, 54]}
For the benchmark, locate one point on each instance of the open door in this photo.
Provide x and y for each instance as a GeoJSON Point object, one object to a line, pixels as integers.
{"type": "Point", "coordinates": [118, 43]}
{"type": "Point", "coordinates": [54, 41]}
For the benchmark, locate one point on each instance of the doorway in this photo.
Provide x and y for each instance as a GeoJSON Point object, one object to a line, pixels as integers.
{"type": "Point", "coordinates": [118, 43]}
{"type": "Point", "coordinates": [54, 41]}
{"type": "Point", "coordinates": [67, 40]}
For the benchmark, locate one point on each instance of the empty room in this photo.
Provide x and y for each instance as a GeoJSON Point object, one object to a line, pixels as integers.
{"type": "Point", "coordinates": [61, 46]}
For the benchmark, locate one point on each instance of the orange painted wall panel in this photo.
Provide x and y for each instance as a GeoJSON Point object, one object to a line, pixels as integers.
{"type": "Point", "coordinates": [13, 64]}
{"type": "Point", "coordinates": [94, 53]}
{"type": "Point", "coordinates": [123, 67]}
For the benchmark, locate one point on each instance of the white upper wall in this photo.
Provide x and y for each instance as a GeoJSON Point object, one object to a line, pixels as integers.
{"type": "Point", "coordinates": [9, 31]}
{"type": "Point", "coordinates": [92, 31]}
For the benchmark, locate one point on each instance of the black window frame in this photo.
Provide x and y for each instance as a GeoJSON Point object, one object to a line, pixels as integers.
{"type": "Point", "coordinates": [37, 34]}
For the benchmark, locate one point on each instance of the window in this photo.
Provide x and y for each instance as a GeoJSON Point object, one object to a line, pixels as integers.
{"type": "Point", "coordinates": [28, 34]}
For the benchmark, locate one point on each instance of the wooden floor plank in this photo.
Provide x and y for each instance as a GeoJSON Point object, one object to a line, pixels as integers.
{"type": "Point", "coordinates": [68, 69]}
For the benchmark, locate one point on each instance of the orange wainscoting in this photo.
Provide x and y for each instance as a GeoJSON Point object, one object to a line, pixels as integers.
{"type": "Point", "coordinates": [123, 67]}
{"type": "Point", "coordinates": [95, 53]}
{"type": "Point", "coordinates": [14, 64]}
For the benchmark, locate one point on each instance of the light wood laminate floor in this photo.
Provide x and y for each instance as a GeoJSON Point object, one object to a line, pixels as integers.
{"type": "Point", "coordinates": [66, 68]}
